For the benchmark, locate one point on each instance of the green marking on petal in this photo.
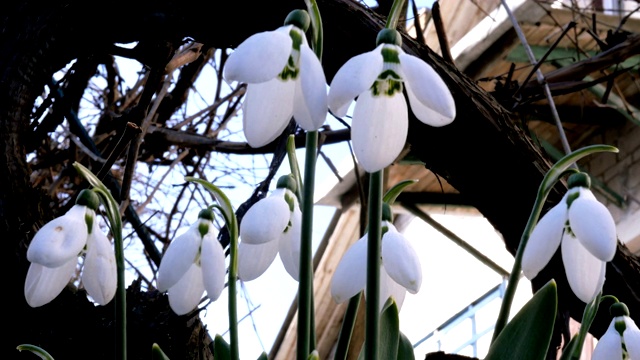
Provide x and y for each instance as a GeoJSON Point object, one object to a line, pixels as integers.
{"type": "Point", "coordinates": [388, 87]}
{"type": "Point", "coordinates": [290, 199]}
{"type": "Point", "coordinates": [390, 55]}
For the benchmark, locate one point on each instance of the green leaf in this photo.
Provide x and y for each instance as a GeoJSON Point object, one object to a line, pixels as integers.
{"type": "Point", "coordinates": [389, 331]}
{"type": "Point", "coordinates": [157, 353]}
{"type": "Point", "coordinates": [263, 356]}
{"type": "Point", "coordinates": [314, 355]}
{"type": "Point", "coordinates": [221, 348]}
{"type": "Point", "coordinates": [405, 348]}
{"type": "Point", "coordinates": [391, 194]}
{"type": "Point", "coordinates": [528, 335]}
{"type": "Point", "coordinates": [346, 331]}
{"type": "Point", "coordinates": [40, 352]}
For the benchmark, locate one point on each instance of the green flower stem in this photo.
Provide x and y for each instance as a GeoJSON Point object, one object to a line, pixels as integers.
{"type": "Point", "coordinates": [548, 182]}
{"type": "Point", "coordinates": [394, 14]}
{"type": "Point", "coordinates": [306, 331]}
{"type": "Point", "coordinates": [293, 165]}
{"type": "Point", "coordinates": [115, 224]}
{"type": "Point", "coordinates": [316, 25]}
{"type": "Point", "coordinates": [306, 328]}
{"type": "Point", "coordinates": [225, 207]}
{"type": "Point", "coordinates": [372, 313]}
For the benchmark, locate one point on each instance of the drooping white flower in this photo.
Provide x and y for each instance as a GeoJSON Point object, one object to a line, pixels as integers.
{"type": "Point", "coordinates": [380, 118]}
{"type": "Point", "coordinates": [54, 253]}
{"type": "Point", "coordinates": [99, 271]}
{"type": "Point", "coordinates": [621, 341]}
{"type": "Point", "coordinates": [400, 270]}
{"type": "Point", "coordinates": [284, 78]}
{"type": "Point", "coordinates": [194, 262]}
{"type": "Point", "coordinates": [270, 227]}
{"type": "Point", "coordinates": [586, 233]}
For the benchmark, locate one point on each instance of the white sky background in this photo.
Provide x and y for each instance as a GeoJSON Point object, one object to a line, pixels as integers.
{"type": "Point", "coordinates": [452, 278]}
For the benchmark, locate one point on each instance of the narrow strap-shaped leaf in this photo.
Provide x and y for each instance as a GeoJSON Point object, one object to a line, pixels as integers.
{"type": "Point", "coordinates": [157, 353]}
{"type": "Point", "coordinates": [528, 335]}
{"type": "Point", "coordinates": [405, 348]}
{"type": "Point", "coordinates": [221, 348]}
{"type": "Point", "coordinates": [40, 352]}
{"type": "Point", "coordinates": [346, 331]}
{"type": "Point", "coordinates": [389, 331]}
{"type": "Point", "coordinates": [391, 194]}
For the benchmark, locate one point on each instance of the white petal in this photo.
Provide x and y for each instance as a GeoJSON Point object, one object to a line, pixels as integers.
{"type": "Point", "coordinates": [61, 239]}
{"type": "Point", "coordinates": [266, 220]}
{"type": "Point", "coordinates": [254, 260]}
{"type": "Point", "coordinates": [593, 225]}
{"type": "Point", "coordinates": [213, 266]}
{"type": "Point", "coordinates": [179, 257]}
{"type": "Point", "coordinates": [310, 103]}
{"type": "Point", "coordinates": [400, 260]}
{"type": "Point", "coordinates": [185, 295]}
{"type": "Point", "coordinates": [289, 246]}
{"type": "Point", "coordinates": [350, 276]}
{"type": "Point", "coordinates": [353, 78]}
{"type": "Point", "coordinates": [429, 96]}
{"type": "Point", "coordinates": [609, 345]}
{"type": "Point", "coordinates": [389, 288]}
{"type": "Point", "coordinates": [585, 272]}
{"type": "Point", "coordinates": [267, 110]}
{"type": "Point", "coordinates": [259, 58]}
{"type": "Point", "coordinates": [99, 273]}
{"type": "Point", "coordinates": [43, 284]}
{"type": "Point", "coordinates": [379, 129]}
{"type": "Point", "coordinates": [544, 240]}
{"type": "Point", "coordinates": [631, 337]}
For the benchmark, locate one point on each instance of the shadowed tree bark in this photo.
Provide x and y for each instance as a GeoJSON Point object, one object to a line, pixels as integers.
{"type": "Point", "coordinates": [483, 154]}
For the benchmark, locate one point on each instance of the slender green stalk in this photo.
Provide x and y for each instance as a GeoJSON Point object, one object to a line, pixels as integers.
{"type": "Point", "coordinates": [548, 182]}
{"type": "Point", "coordinates": [225, 207]}
{"type": "Point", "coordinates": [305, 287]}
{"type": "Point", "coordinates": [394, 14]}
{"type": "Point", "coordinates": [372, 313]}
{"type": "Point", "coordinates": [293, 165]}
{"type": "Point", "coordinates": [306, 327]}
{"type": "Point", "coordinates": [115, 224]}
{"type": "Point", "coordinates": [233, 281]}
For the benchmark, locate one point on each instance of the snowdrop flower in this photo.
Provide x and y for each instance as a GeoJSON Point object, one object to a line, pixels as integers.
{"type": "Point", "coordinates": [284, 77]}
{"type": "Point", "coordinates": [400, 269]}
{"type": "Point", "coordinates": [380, 118]}
{"type": "Point", "coordinates": [54, 252]}
{"type": "Point", "coordinates": [586, 232]}
{"type": "Point", "coordinates": [622, 340]}
{"type": "Point", "coordinates": [194, 262]}
{"type": "Point", "coordinates": [271, 226]}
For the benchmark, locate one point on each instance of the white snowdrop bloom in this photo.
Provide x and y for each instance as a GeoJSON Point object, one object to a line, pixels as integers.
{"type": "Point", "coordinates": [400, 270]}
{"type": "Point", "coordinates": [54, 253]}
{"type": "Point", "coordinates": [621, 341]}
{"type": "Point", "coordinates": [380, 118]}
{"type": "Point", "coordinates": [586, 233]}
{"type": "Point", "coordinates": [270, 227]}
{"type": "Point", "coordinates": [99, 271]}
{"type": "Point", "coordinates": [284, 78]}
{"type": "Point", "coordinates": [194, 262]}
